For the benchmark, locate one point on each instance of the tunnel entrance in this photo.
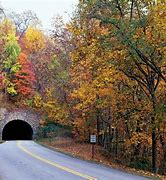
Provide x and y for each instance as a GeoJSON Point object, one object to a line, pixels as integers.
{"type": "Point", "coordinates": [17, 130]}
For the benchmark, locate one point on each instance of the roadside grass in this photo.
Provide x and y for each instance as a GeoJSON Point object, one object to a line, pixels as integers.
{"type": "Point", "coordinates": [1, 141]}
{"type": "Point", "coordinates": [83, 151]}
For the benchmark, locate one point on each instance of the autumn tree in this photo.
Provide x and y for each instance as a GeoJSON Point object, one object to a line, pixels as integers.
{"type": "Point", "coordinates": [10, 64]}
{"type": "Point", "coordinates": [34, 40]}
{"type": "Point", "coordinates": [91, 76]}
{"type": "Point", "coordinates": [17, 77]}
{"type": "Point", "coordinates": [23, 21]}
{"type": "Point", "coordinates": [129, 44]}
{"type": "Point", "coordinates": [24, 79]}
{"type": "Point", "coordinates": [136, 42]}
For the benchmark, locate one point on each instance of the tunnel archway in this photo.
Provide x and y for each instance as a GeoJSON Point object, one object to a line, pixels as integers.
{"type": "Point", "coordinates": [17, 130]}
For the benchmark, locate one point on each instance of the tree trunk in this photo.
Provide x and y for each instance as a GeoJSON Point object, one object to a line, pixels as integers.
{"type": "Point", "coordinates": [98, 123]}
{"type": "Point", "coordinates": [154, 151]}
{"type": "Point", "coordinates": [98, 128]}
{"type": "Point", "coordinates": [163, 163]}
{"type": "Point", "coordinates": [154, 139]}
{"type": "Point", "coordinates": [116, 142]}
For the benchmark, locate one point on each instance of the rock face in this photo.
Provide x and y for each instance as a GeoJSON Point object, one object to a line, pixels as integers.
{"type": "Point", "coordinates": [30, 117]}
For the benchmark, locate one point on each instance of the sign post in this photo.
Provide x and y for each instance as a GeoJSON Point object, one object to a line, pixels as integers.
{"type": "Point", "coordinates": [93, 142]}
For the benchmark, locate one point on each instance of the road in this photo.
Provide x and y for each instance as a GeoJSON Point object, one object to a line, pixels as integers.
{"type": "Point", "coordinates": [26, 160]}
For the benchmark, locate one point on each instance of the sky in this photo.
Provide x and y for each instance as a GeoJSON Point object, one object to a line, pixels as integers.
{"type": "Point", "coordinates": [45, 9]}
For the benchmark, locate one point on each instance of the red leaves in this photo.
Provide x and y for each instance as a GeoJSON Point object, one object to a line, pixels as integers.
{"type": "Point", "coordinates": [25, 77]}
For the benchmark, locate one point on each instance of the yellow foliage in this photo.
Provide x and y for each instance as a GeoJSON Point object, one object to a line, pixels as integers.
{"type": "Point", "coordinates": [34, 40]}
{"type": "Point", "coordinates": [139, 138]}
{"type": "Point", "coordinates": [37, 101]}
{"type": "Point", "coordinates": [6, 27]}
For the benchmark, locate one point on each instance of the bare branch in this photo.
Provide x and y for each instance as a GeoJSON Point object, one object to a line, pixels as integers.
{"type": "Point", "coordinates": [131, 10]}
{"type": "Point", "coordinates": [120, 9]}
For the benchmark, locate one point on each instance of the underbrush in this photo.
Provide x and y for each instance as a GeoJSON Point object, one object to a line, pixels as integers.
{"type": "Point", "coordinates": [52, 130]}
{"type": "Point", "coordinates": [143, 164]}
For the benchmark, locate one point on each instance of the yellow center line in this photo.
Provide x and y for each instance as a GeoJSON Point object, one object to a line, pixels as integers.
{"type": "Point", "coordinates": [54, 164]}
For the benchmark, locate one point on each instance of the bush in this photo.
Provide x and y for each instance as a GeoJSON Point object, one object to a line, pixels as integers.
{"type": "Point", "coordinates": [54, 130]}
{"type": "Point", "coordinates": [143, 164]}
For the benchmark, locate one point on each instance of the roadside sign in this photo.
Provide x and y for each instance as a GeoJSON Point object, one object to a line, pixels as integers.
{"type": "Point", "coordinates": [93, 138]}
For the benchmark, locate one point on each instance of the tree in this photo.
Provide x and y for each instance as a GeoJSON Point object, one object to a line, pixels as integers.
{"type": "Point", "coordinates": [137, 47]}
{"type": "Point", "coordinates": [34, 40]}
{"type": "Point", "coordinates": [24, 79]}
{"type": "Point", "coordinates": [92, 77]}
{"type": "Point", "coordinates": [125, 43]}
{"type": "Point", "coordinates": [2, 12]}
{"type": "Point", "coordinates": [10, 64]}
{"type": "Point", "coordinates": [23, 21]}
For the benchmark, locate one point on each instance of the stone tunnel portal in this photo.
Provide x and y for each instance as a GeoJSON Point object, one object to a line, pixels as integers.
{"type": "Point", "coordinates": [17, 130]}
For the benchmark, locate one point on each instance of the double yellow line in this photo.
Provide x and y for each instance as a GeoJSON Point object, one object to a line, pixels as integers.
{"type": "Point", "coordinates": [54, 164]}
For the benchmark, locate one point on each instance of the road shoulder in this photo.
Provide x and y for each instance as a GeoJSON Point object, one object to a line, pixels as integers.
{"type": "Point", "coordinates": [70, 152]}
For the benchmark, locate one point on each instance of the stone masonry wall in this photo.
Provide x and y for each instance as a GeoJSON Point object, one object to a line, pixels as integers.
{"type": "Point", "coordinates": [30, 117]}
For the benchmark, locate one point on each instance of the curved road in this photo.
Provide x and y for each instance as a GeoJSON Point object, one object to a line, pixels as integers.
{"type": "Point", "coordinates": [26, 160]}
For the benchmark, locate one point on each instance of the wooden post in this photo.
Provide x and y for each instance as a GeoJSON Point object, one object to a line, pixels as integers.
{"type": "Point", "coordinates": [93, 152]}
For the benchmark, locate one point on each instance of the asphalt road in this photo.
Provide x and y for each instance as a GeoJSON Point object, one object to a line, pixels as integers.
{"type": "Point", "coordinates": [26, 160]}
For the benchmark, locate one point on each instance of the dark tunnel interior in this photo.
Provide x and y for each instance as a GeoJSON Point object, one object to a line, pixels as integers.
{"type": "Point", "coordinates": [17, 130]}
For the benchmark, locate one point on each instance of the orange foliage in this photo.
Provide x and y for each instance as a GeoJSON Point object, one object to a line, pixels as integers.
{"type": "Point", "coordinates": [25, 77]}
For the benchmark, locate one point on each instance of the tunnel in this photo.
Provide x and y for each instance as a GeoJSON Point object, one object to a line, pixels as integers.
{"type": "Point", "coordinates": [17, 130]}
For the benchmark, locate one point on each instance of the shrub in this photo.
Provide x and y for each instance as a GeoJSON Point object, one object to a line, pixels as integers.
{"type": "Point", "coordinates": [143, 164]}
{"type": "Point", "coordinates": [54, 130]}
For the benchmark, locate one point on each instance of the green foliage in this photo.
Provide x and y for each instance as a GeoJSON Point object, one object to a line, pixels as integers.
{"type": "Point", "coordinates": [143, 164]}
{"type": "Point", "coordinates": [55, 64]}
{"type": "Point", "coordinates": [12, 50]}
{"type": "Point", "coordinates": [53, 130]}
{"type": "Point", "coordinates": [12, 47]}
{"type": "Point", "coordinates": [10, 64]}
{"type": "Point", "coordinates": [15, 68]}
{"type": "Point", "coordinates": [29, 102]}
